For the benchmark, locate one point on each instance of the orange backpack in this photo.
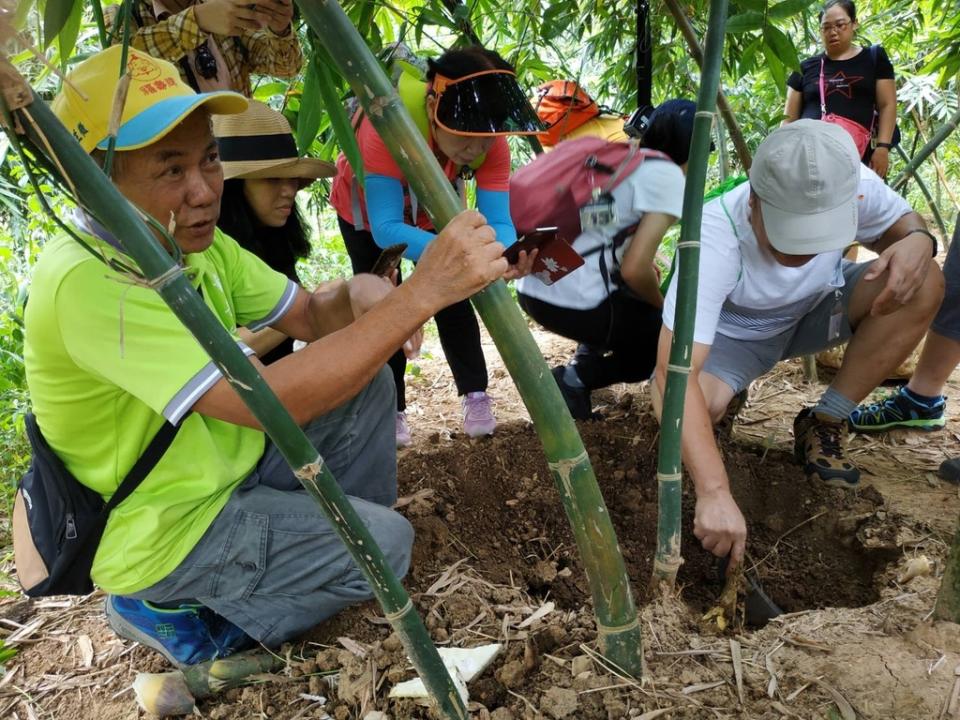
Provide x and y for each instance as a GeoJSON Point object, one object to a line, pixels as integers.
{"type": "Point", "coordinates": [563, 106]}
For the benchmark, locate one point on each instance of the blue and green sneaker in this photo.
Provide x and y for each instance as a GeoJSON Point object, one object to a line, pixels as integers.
{"type": "Point", "coordinates": [900, 409]}
{"type": "Point", "coordinates": [185, 635]}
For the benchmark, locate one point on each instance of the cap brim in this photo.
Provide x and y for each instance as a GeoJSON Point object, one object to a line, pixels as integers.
{"type": "Point", "coordinates": [306, 169]}
{"type": "Point", "coordinates": [156, 121]}
{"type": "Point", "coordinates": [810, 234]}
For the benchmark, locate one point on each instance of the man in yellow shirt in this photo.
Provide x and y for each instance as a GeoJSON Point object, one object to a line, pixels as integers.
{"type": "Point", "coordinates": [219, 543]}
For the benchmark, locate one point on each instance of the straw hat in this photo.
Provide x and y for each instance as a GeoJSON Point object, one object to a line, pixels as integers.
{"type": "Point", "coordinates": [258, 143]}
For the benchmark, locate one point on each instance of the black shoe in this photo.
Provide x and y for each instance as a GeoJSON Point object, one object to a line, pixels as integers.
{"type": "Point", "coordinates": [950, 470]}
{"type": "Point", "coordinates": [577, 399]}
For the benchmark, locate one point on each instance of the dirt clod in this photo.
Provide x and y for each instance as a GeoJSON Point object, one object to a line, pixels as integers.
{"type": "Point", "coordinates": [559, 703]}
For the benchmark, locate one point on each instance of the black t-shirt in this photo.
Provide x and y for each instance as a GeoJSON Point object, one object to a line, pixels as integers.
{"type": "Point", "coordinates": [849, 86]}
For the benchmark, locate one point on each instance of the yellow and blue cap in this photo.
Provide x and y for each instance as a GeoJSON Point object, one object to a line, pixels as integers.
{"type": "Point", "coordinates": [157, 100]}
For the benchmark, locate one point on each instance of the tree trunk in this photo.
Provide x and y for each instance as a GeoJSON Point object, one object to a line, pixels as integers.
{"type": "Point", "coordinates": [948, 599]}
{"type": "Point", "coordinates": [729, 119]}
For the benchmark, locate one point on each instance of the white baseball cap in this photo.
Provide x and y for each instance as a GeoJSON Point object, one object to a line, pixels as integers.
{"type": "Point", "coordinates": [806, 175]}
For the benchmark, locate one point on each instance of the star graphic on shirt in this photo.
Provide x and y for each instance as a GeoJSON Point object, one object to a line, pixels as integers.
{"type": "Point", "coordinates": [843, 84]}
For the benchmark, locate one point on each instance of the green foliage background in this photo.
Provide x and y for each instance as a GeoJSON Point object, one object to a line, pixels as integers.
{"type": "Point", "coordinates": [591, 40]}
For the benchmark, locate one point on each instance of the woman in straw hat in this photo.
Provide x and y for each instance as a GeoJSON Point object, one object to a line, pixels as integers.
{"type": "Point", "coordinates": [263, 173]}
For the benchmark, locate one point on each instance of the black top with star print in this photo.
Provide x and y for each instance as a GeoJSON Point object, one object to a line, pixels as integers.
{"type": "Point", "coordinates": [849, 85]}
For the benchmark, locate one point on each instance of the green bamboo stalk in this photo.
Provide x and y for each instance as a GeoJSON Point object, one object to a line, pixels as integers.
{"type": "Point", "coordinates": [729, 119]}
{"type": "Point", "coordinates": [618, 627]}
{"type": "Point", "coordinates": [101, 24]}
{"type": "Point", "coordinates": [942, 133]}
{"type": "Point", "coordinates": [123, 17]}
{"type": "Point", "coordinates": [925, 191]}
{"type": "Point", "coordinates": [669, 473]}
{"type": "Point", "coordinates": [102, 199]}
{"type": "Point", "coordinates": [948, 599]}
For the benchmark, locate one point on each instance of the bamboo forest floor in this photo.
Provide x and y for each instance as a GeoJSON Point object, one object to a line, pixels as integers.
{"type": "Point", "coordinates": [494, 561]}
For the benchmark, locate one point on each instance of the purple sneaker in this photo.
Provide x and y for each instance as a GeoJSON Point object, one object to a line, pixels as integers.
{"type": "Point", "coordinates": [478, 417]}
{"type": "Point", "coordinates": [403, 431]}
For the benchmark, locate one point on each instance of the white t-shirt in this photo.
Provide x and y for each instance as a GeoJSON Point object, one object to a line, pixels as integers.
{"type": "Point", "coordinates": [655, 186]}
{"type": "Point", "coordinates": [743, 292]}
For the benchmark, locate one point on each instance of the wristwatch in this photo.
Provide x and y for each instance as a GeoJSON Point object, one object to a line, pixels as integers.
{"type": "Point", "coordinates": [883, 145]}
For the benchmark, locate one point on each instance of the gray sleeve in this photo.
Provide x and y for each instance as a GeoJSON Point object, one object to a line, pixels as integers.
{"type": "Point", "coordinates": [279, 310]}
{"type": "Point", "coordinates": [203, 380]}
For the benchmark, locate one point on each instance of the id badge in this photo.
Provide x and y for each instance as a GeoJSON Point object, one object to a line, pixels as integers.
{"type": "Point", "coordinates": [836, 318]}
{"type": "Point", "coordinates": [599, 212]}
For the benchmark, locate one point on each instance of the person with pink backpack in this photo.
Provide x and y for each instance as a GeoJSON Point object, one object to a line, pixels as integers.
{"type": "Point", "coordinates": [611, 305]}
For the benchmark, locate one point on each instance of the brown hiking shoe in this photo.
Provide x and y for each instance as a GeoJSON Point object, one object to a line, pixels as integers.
{"type": "Point", "coordinates": [819, 444]}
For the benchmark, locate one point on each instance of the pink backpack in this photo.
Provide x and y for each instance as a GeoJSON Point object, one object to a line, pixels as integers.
{"type": "Point", "coordinates": [551, 190]}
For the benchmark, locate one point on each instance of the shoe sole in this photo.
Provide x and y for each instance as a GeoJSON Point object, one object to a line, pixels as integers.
{"type": "Point", "coordinates": [925, 425]}
{"type": "Point", "coordinates": [125, 629]}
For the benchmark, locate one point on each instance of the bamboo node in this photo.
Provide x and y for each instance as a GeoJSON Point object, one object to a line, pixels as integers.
{"type": "Point", "coordinates": [604, 630]}
{"type": "Point", "coordinates": [688, 243]}
{"type": "Point", "coordinates": [398, 615]}
{"type": "Point", "coordinates": [669, 477]}
{"type": "Point", "coordinates": [682, 369]}
{"type": "Point", "coordinates": [668, 567]}
{"type": "Point", "coordinates": [565, 465]}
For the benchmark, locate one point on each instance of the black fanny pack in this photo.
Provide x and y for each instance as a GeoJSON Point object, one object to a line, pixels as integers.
{"type": "Point", "coordinates": [58, 522]}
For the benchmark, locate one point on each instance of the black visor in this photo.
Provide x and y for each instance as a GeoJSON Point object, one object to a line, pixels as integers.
{"type": "Point", "coordinates": [487, 103]}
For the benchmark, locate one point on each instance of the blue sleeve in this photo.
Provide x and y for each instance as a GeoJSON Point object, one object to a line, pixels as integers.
{"type": "Point", "coordinates": [385, 210]}
{"type": "Point", "coordinates": [495, 207]}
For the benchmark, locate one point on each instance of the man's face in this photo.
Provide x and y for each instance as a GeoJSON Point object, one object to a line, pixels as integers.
{"type": "Point", "coordinates": [756, 220]}
{"type": "Point", "coordinates": [178, 176]}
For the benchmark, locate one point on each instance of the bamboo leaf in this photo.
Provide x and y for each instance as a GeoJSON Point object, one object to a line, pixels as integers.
{"type": "Point", "coordinates": [745, 22]}
{"type": "Point", "coordinates": [776, 68]}
{"type": "Point", "coordinates": [782, 46]}
{"type": "Point", "coordinates": [311, 104]}
{"type": "Point", "coordinates": [55, 16]}
{"type": "Point", "coordinates": [788, 8]}
{"type": "Point", "coordinates": [67, 37]}
{"type": "Point", "coordinates": [22, 13]}
{"type": "Point", "coordinates": [748, 57]}
{"type": "Point", "coordinates": [339, 121]}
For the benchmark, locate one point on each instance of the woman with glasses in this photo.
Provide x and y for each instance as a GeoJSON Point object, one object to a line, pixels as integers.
{"type": "Point", "coordinates": [468, 103]}
{"type": "Point", "coordinates": [262, 175]}
{"type": "Point", "coordinates": [849, 84]}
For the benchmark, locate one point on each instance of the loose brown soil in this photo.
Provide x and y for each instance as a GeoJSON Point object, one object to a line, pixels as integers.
{"type": "Point", "coordinates": [494, 547]}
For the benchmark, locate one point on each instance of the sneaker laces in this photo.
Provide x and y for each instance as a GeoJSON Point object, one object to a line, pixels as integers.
{"type": "Point", "coordinates": [829, 437]}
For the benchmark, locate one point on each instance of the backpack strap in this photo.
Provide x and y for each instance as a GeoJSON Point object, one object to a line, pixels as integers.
{"type": "Point", "coordinates": [144, 464]}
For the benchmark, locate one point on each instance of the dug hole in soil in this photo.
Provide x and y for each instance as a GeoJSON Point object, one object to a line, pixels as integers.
{"type": "Point", "coordinates": [495, 502]}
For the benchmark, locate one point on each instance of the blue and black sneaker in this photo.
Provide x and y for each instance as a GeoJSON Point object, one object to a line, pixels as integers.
{"type": "Point", "coordinates": [185, 635]}
{"type": "Point", "coordinates": [899, 409]}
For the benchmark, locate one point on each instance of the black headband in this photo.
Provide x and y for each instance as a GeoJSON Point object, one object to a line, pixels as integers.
{"type": "Point", "coordinates": [246, 148]}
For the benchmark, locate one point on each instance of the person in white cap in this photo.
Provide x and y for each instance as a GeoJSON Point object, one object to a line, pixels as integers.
{"type": "Point", "coordinates": [219, 544]}
{"type": "Point", "coordinates": [774, 284]}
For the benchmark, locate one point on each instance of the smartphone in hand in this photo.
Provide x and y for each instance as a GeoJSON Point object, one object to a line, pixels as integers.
{"type": "Point", "coordinates": [529, 242]}
{"type": "Point", "coordinates": [389, 260]}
